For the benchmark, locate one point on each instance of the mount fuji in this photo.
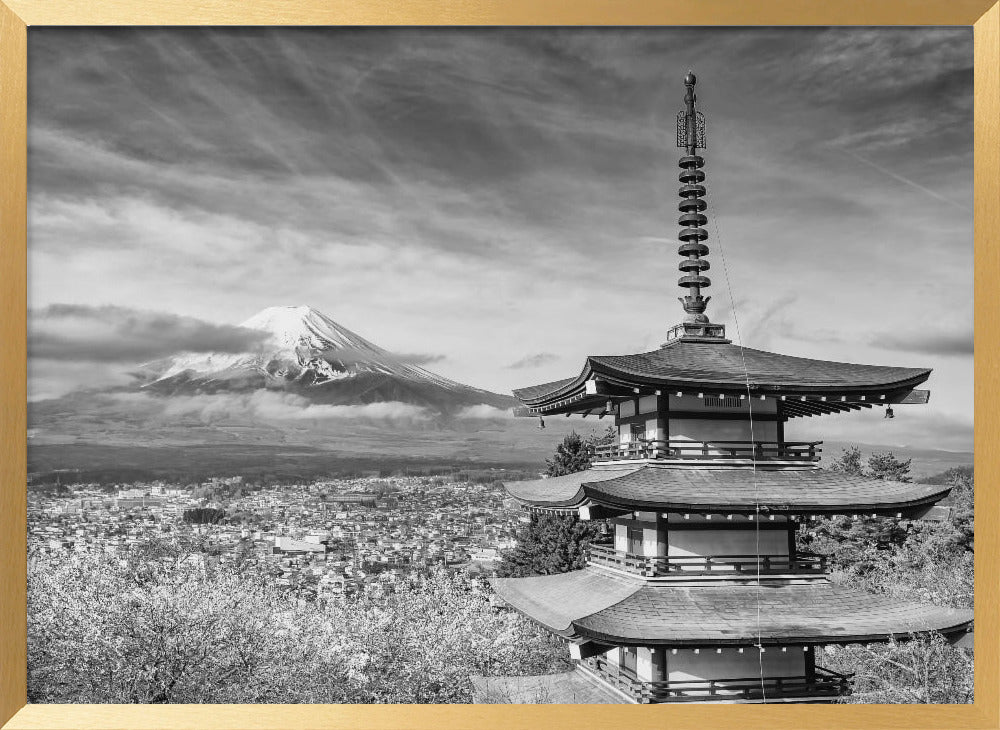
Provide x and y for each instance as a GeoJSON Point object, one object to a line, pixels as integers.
{"type": "Point", "coordinates": [304, 352]}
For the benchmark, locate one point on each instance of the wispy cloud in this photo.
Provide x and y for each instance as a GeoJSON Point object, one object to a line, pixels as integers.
{"type": "Point", "coordinates": [533, 361]}
{"type": "Point", "coordinates": [928, 342]}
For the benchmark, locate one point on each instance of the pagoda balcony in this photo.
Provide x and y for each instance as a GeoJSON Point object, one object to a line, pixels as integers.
{"type": "Point", "coordinates": [822, 685]}
{"type": "Point", "coordinates": [686, 451]}
{"type": "Point", "coordinates": [660, 566]}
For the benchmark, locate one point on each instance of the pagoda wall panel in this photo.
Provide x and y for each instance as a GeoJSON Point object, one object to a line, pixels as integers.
{"type": "Point", "coordinates": [703, 429]}
{"type": "Point", "coordinates": [726, 542]}
{"type": "Point", "coordinates": [621, 537]}
{"type": "Point", "coordinates": [685, 665]}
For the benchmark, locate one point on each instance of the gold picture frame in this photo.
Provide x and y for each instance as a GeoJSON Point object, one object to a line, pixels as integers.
{"type": "Point", "coordinates": [17, 15]}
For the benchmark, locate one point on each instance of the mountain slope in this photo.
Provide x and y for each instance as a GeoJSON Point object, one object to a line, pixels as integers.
{"type": "Point", "coordinates": [307, 353]}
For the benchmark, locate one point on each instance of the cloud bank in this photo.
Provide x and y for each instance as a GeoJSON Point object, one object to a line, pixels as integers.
{"type": "Point", "coordinates": [114, 334]}
{"type": "Point", "coordinates": [266, 405]}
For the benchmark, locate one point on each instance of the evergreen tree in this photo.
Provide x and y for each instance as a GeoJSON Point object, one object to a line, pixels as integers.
{"type": "Point", "coordinates": [552, 543]}
{"type": "Point", "coordinates": [859, 543]}
{"type": "Point", "coordinates": [886, 466]}
{"type": "Point", "coordinates": [572, 455]}
{"type": "Point", "coordinates": [848, 462]}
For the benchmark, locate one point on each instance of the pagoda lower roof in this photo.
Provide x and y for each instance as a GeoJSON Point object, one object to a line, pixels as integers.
{"type": "Point", "coordinates": [651, 487]}
{"type": "Point", "coordinates": [592, 604]}
{"type": "Point", "coordinates": [719, 366]}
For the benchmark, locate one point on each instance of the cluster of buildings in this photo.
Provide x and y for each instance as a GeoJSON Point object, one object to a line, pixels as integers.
{"type": "Point", "coordinates": [319, 540]}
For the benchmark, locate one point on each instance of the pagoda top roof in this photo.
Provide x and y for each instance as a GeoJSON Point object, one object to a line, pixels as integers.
{"type": "Point", "coordinates": [651, 487]}
{"type": "Point", "coordinates": [723, 366]}
{"type": "Point", "coordinates": [597, 605]}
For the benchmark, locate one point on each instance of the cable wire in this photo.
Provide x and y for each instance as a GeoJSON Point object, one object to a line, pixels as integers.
{"type": "Point", "coordinates": [753, 451]}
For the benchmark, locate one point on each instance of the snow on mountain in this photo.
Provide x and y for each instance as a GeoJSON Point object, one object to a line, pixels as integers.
{"type": "Point", "coordinates": [312, 355]}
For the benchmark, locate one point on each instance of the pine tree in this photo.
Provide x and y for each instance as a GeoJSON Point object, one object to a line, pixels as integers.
{"type": "Point", "coordinates": [849, 461]}
{"type": "Point", "coordinates": [552, 543]}
{"type": "Point", "coordinates": [884, 465]}
{"type": "Point", "coordinates": [572, 455]}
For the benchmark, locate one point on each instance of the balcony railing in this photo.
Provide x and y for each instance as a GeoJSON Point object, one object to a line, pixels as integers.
{"type": "Point", "coordinates": [802, 451]}
{"type": "Point", "coordinates": [823, 683]}
{"type": "Point", "coordinates": [672, 565]}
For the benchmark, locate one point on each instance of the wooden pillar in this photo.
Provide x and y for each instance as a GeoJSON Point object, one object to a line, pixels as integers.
{"type": "Point", "coordinates": [663, 417]}
{"type": "Point", "coordinates": [780, 423]}
{"type": "Point", "coordinates": [661, 534]}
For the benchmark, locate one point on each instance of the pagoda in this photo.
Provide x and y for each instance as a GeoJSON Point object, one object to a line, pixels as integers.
{"type": "Point", "coordinates": [701, 594]}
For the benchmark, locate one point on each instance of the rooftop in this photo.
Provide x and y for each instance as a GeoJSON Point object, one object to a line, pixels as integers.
{"type": "Point", "coordinates": [616, 609]}
{"type": "Point", "coordinates": [647, 486]}
{"type": "Point", "coordinates": [718, 367]}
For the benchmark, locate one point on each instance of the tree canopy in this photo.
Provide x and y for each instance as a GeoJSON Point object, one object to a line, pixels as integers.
{"type": "Point", "coordinates": [553, 543]}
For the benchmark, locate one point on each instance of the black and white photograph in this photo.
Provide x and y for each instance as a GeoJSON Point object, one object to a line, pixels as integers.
{"type": "Point", "coordinates": [500, 365]}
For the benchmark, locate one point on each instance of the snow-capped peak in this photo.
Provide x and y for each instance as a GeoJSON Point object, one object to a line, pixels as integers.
{"type": "Point", "coordinates": [302, 340]}
{"type": "Point", "coordinates": [292, 327]}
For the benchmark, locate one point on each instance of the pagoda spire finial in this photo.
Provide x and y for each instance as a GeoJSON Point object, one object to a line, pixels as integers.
{"type": "Point", "coordinates": [691, 137]}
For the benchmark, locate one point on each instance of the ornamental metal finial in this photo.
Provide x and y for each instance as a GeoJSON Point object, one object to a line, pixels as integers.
{"type": "Point", "coordinates": [691, 136]}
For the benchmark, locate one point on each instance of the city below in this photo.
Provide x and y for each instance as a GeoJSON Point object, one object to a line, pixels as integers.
{"type": "Point", "coordinates": [319, 540]}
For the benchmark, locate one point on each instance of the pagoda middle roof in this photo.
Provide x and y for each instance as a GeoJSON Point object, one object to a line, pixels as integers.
{"type": "Point", "coordinates": [737, 489]}
{"type": "Point", "coordinates": [601, 606]}
{"type": "Point", "coordinates": [719, 365]}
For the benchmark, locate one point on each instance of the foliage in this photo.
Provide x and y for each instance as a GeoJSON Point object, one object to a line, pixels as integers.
{"type": "Point", "coordinates": [865, 545]}
{"type": "Point", "coordinates": [114, 629]}
{"type": "Point", "coordinates": [550, 543]}
{"type": "Point", "coordinates": [576, 452]}
{"type": "Point", "coordinates": [851, 541]}
{"type": "Point", "coordinates": [927, 562]}
{"type": "Point", "coordinates": [204, 515]}
{"type": "Point", "coordinates": [925, 669]}
{"type": "Point", "coordinates": [572, 455]}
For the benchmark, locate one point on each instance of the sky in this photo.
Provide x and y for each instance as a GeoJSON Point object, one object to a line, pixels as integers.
{"type": "Point", "coordinates": [500, 203]}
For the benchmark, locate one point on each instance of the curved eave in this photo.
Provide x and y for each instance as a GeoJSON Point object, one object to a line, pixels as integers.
{"type": "Point", "coordinates": [730, 489]}
{"type": "Point", "coordinates": [840, 379]}
{"type": "Point", "coordinates": [592, 604]}
{"type": "Point", "coordinates": [817, 613]}
{"type": "Point", "coordinates": [556, 601]}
